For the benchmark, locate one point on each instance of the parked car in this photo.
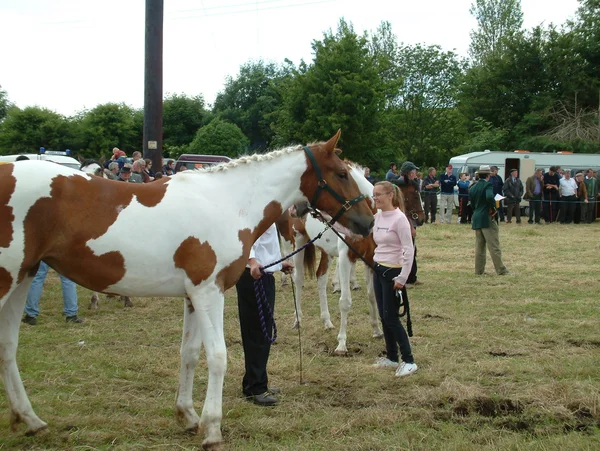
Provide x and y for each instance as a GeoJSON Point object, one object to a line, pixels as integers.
{"type": "Point", "coordinates": [192, 161]}
{"type": "Point", "coordinates": [46, 155]}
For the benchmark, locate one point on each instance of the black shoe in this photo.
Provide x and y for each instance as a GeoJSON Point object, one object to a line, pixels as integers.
{"type": "Point", "coordinates": [74, 319]}
{"type": "Point", "coordinates": [266, 399]}
{"type": "Point", "coordinates": [529, 222]}
{"type": "Point", "coordinates": [29, 320]}
{"type": "Point", "coordinates": [274, 390]}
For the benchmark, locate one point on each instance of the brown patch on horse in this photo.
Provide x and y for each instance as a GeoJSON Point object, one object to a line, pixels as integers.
{"type": "Point", "coordinates": [68, 226]}
{"type": "Point", "coordinates": [323, 264]}
{"type": "Point", "coordinates": [197, 259]}
{"type": "Point", "coordinates": [191, 309]}
{"type": "Point", "coordinates": [6, 212]}
{"type": "Point", "coordinates": [284, 225]}
{"type": "Point", "coordinates": [365, 247]}
{"type": "Point", "coordinates": [6, 281]}
{"type": "Point", "coordinates": [229, 275]}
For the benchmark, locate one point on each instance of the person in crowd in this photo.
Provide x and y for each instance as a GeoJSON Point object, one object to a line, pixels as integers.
{"type": "Point", "coordinates": [69, 290]}
{"type": "Point", "coordinates": [112, 172]}
{"type": "Point", "coordinates": [392, 173]}
{"type": "Point", "coordinates": [369, 177]}
{"type": "Point", "coordinates": [256, 315]}
{"type": "Point", "coordinates": [551, 194]}
{"type": "Point", "coordinates": [431, 185]}
{"type": "Point", "coordinates": [408, 176]}
{"type": "Point", "coordinates": [497, 185]}
{"type": "Point", "coordinates": [447, 183]}
{"type": "Point", "coordinates": [464, 206]}
{"type": "Point", "coordinates": [158, 175]}
{"type": "Point", "coordinates": [420, 179]}
{"type": "Point", "coordinates": [393, 260]}
{"type": "Point", "coordinates": [591, 185]}
{"type": "Point", "coordinates": [169, 168]}
{"type": "Point", "coordinates": [567, 188]}
{"type": "Point", "coordinates": [137, 172]}
{"type": "Point", "coordinates": [484, 223]}
{"type": "Point", "coordinates": [534, 187]}
{"type": "Point", "coordinates": [119, 156]}
{"type": "Point", "coordinates": [135, 156]}
{"type": "Point", "coordinates": [582, 199]}
{"type": "Point", "coordinates": [125, 175]}
{"type": "Point", "coordinates": [148, 168]}
{"type": "Point", "coordinates": [513, 191]}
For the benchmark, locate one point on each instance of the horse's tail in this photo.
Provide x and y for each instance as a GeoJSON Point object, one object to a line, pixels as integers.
{"type": "Point", "coordinates": [310, 259]}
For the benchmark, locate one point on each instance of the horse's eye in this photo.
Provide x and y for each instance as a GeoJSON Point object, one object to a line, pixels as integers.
{"type": "Point", "coordinates": [343, 175]}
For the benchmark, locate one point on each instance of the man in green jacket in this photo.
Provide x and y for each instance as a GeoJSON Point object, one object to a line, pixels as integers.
{"type": "Point", "coordinates": [484, 223]}
{"type": "Point", "coordinates": [591, 185]}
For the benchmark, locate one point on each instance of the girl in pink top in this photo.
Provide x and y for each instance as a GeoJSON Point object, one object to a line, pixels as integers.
{"type": "Point", "coordinates": [393, 262]}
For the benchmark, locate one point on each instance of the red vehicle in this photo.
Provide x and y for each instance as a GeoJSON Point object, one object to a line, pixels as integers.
{"type": "Point", "coordinates": [191, 161]}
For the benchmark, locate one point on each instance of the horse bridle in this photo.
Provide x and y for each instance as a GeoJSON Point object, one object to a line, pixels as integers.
{"type": "Point", "coordinates": [322, 185]}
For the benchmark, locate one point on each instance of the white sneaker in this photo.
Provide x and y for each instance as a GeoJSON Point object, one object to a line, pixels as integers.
{"type": "Point", "coordinates": [383, 362]}
{"type": "Point", "coordinates": [406, 369]}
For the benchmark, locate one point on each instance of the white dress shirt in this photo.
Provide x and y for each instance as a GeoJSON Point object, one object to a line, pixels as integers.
{"type": "Point", "coordinates": [266, 249]}
{"type": "Point", "coordinates": [568, 187]}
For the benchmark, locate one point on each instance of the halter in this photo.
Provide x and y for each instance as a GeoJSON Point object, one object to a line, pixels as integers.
{"type": "Point", "coordinates": [323, 186]}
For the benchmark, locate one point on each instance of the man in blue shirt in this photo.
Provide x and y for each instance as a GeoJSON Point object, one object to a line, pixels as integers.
{"type": "Point", "coordinates": [447, 184]}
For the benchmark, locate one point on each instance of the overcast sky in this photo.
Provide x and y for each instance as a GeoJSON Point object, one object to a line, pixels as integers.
{"type": "Point", "coordinates": [69, 55]}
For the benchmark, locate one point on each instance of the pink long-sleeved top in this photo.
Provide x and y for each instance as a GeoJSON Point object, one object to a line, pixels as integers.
{"type": "Point", "coordinates": [392, 234]}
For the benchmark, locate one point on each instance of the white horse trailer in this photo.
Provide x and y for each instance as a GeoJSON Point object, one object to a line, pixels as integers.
{"type": "Point", "coordinates": [525, 162]}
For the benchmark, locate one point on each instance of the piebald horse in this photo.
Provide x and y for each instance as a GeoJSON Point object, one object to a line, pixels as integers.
{"type": "Point", "coordinates": [78, 225]}
{"type": "Point", "coordinates": [331, 246]}
{"type": "Point", "coordinates": [93, 167]}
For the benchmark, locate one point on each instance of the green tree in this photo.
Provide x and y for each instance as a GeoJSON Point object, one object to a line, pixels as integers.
{"type": "Point", "coordinates": [497, 21]}
{"type": "Point", "coordinates": [182, 117]}
{"type": "Point", "coordinates": [250, 100]}
{"type": "Point", "coordinates": [107, 126]}
{"type": "Point", "coordinates": [31, 128]}
{"type": "Point", "coordinates": [4, 104]}
{"type": "Point", "coordinates": [219, 138]}
{"type": "Point", "coordinates": [341, 89]}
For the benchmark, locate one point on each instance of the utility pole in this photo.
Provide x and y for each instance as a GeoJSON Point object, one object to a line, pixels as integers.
{"type": "Point", "coordinates": [153, 83]}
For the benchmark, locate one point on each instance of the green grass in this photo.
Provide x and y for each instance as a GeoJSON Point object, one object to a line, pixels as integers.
{"type": "Point", "coordinates": [507, 362]}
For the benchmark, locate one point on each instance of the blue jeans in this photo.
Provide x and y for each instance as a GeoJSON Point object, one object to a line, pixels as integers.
{"type": "Point", "coordinates": [69, 289]}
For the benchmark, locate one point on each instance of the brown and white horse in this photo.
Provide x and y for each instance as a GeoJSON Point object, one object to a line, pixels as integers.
{"type": "Point", "coordinates": [331, 246]}
{"type": "Point", "coordinates": [79, 224]}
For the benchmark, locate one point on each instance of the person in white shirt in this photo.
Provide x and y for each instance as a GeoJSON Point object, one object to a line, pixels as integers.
{"type": "Point", "coordinates": [568, 196]}
{"type": "Point", "coordinates": [256, 315]}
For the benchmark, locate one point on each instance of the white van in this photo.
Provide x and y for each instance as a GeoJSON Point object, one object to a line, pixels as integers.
{"type": "Point", "coordinates": [47, 155]}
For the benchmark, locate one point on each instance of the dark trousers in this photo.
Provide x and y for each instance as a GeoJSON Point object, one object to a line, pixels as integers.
{"type": "Point", "coordinates": [388, 305]}
{"type": "Point", "coordinates": [256, 346]}
{"type": "Point", "coordinates": [535, 208]}
{"type": "Point", "coordinates": [590, 210]}
{"type": "Point", "coordinates": [567, 209]}
{"type": "Point", "coordinates": [514, 208]}
{"type": "Point", "coordinates": [464, 209]}
{"type": "Point", "coordinates": [430, 206]}
{"type": "Point", "coordinates": [412, 277]}
{"type": "Point", "coordinates": [501, 209]}
{"type": "Point", "coordinates": [551, 205]}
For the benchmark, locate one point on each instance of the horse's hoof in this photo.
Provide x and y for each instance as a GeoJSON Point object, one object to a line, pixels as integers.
{"type": "Point", "coordinates": [336, 290]}
{"type": "Point", "coordinates": [377, 334]}
{"type": "Point", "coordinates": [328, 325]}
{"type": "Point", "coordinates": [341, 352]}
{"type": "Point", "coordinates": [356, 287]}
{"type": "Point", "coordinates": [32, 432]}
{"type": "Point", "coordinates": [295, 325]}
{"type": "Point", "coordinates": [212, 446]}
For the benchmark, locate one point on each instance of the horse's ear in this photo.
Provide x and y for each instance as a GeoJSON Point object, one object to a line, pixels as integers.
{"type": "Point", "coordinates": [80, 159]}
{"type": "Point", "coordinates": [331, 145]}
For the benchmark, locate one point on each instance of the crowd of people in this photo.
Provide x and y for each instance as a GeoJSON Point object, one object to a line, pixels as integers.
{"type": "Point", "coordinates": [138, 171]}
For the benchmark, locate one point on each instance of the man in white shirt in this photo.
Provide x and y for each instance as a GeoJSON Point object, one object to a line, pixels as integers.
{"type": "Point", "coordinates": [256, 315]}
{"type": "Point", "coordinates": [568, 196]}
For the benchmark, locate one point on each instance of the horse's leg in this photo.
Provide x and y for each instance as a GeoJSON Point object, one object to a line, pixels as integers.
{"type": "Point", "coordinates": [373, 314]}
{"type": "Point", "coordinates": [10, 321]}
{"type": "Point", "coordinates": [322, 279]}
{"type": "Point", "coordinates": [126, 301]}
{"type": "Point", "coordinates": [335, 284]}
{"type": "Point", "coordinates": [191, 344]}
{"type": "Point", "coordinates": [211, 303]}
{"type": "Point", "coordinates": [345, 300]}
{"type": "Point", "coordinates": [94, 301]}
{"type": "Point", "coordinates": [353, 281]}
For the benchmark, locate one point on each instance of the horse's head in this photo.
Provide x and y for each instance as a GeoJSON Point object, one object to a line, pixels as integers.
{"type": "Point", "coordinates": [92, 167]}
{"type": "Point", "coordinates": [412, 203]}
{"type": "Point", "coordinates": [328, 185]}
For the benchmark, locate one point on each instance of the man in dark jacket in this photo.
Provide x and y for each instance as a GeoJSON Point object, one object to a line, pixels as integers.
{"type": "Point", "coordinates": [483, 222]}
{"type": "Point", "coordinates": [497, 184]}
{"type": "Point", "coordinates": [513, 191]}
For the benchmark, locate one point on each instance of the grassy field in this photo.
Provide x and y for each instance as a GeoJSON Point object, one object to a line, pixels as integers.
{"type": "Point", "coordinates": [509, 362]}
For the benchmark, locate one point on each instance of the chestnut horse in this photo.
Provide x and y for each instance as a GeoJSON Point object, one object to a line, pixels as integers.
{"type": "Point", "coordinates": [331, 246]}
{"type": "Point", "coordinates": [79, 225]}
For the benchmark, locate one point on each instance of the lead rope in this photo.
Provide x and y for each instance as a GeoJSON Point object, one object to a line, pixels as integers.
{"type": "Point", "coordinates": [299, 333]}
{"type": "Point", "coordinates": [263, 304]}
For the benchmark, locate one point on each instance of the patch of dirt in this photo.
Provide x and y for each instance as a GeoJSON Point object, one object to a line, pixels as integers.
{"type": "Point", "coordinates": [487, 407]}
{"type": "Point", "coordinates": [584, 343]}
{"type": "Point", "coordinates": [428, 316]}
{"type": "Point", "coordinates": [504, 354]}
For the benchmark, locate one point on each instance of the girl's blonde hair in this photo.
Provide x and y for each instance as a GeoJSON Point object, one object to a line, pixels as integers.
{"type": "Point", "coordinates": [398, 198]}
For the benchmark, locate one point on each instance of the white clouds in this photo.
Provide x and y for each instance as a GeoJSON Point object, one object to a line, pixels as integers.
{"type": "Point", "coordinates": [67, 54]}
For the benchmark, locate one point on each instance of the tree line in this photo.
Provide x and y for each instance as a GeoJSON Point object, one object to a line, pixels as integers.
{"type": "Point", "coordinates": [536, 89]}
